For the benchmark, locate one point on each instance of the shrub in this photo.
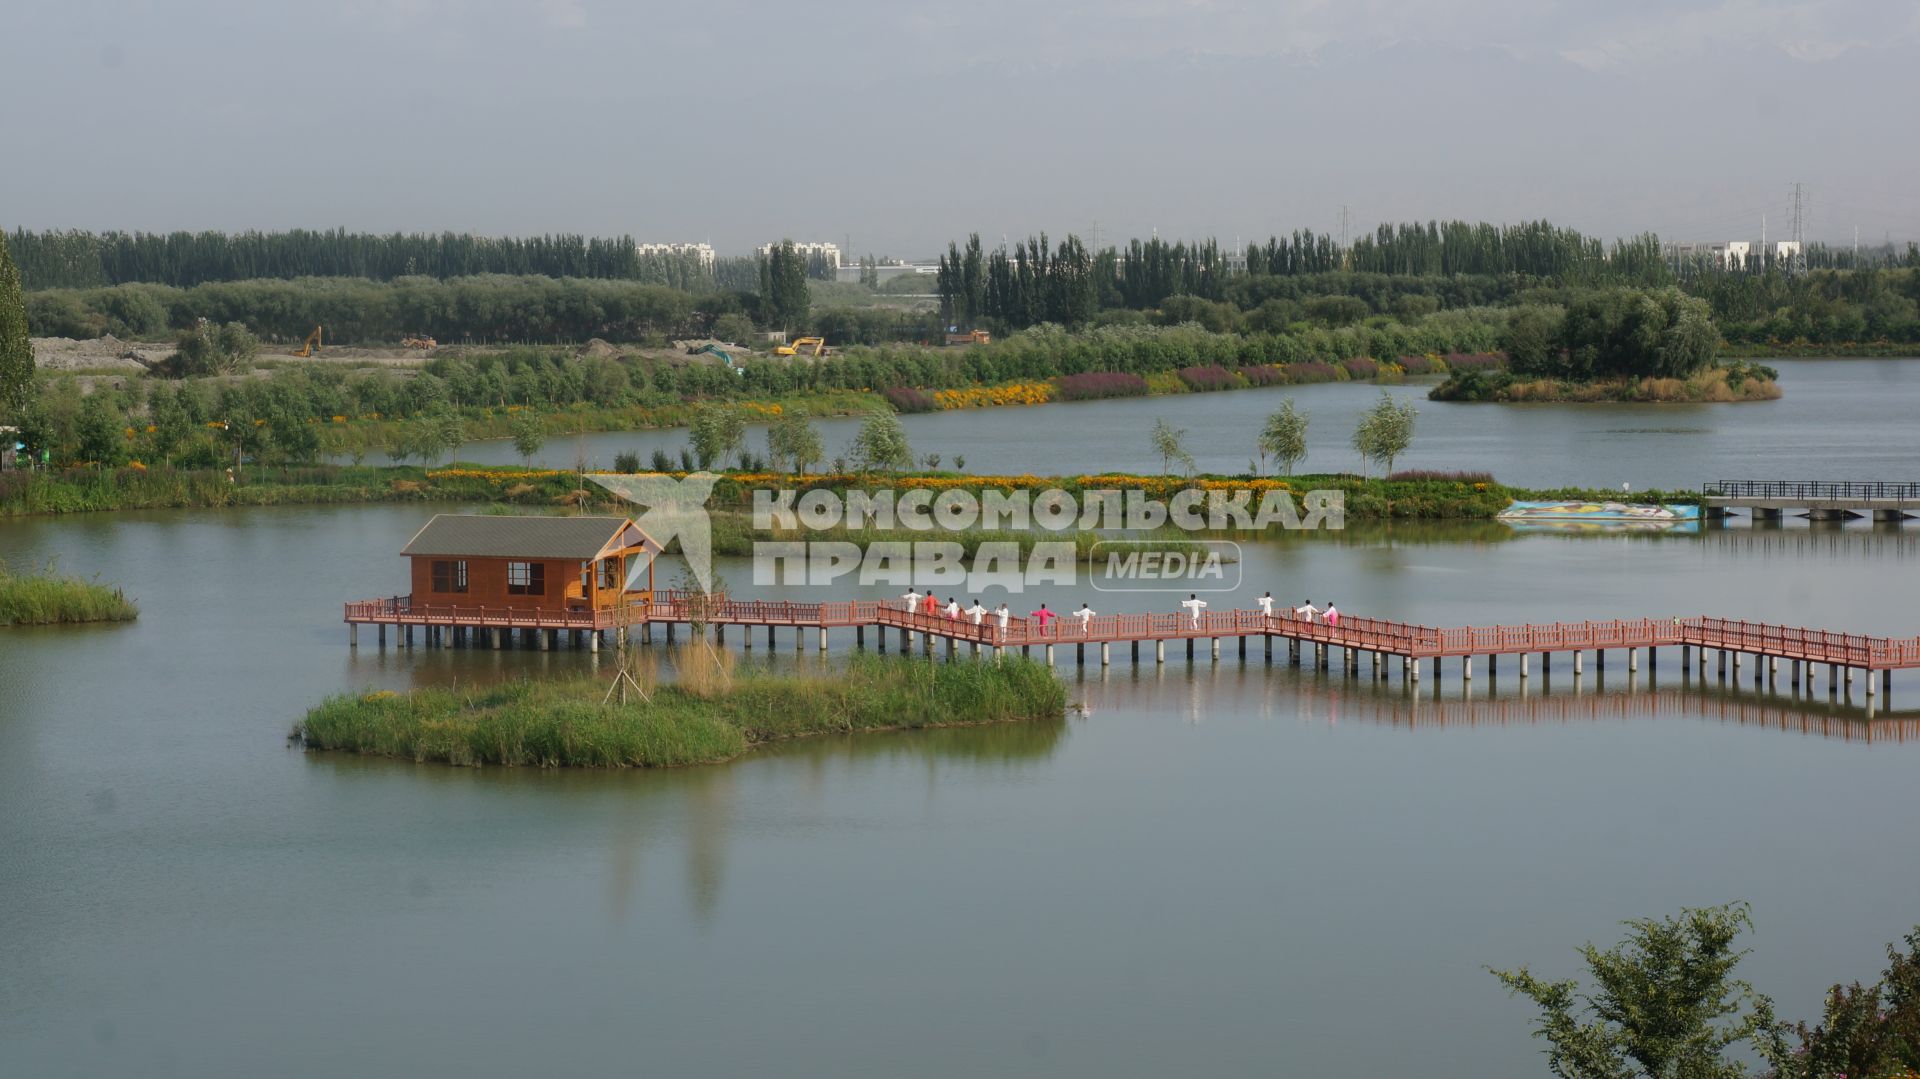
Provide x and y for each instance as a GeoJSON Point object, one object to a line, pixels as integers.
{"type": "Point", "coordinates": [627, 462]}
{"type": "Point", "coordinates": [1476, 361]}
{"type": "Point", "coordinates": [909, 399]}
{"type": "Point", "coordinates": [1429, 475]}
{"type": "Point", "coordinates": [1207, 379]}
{"type": "Point", "coordinates": [1264, 374]}
{"type": "Point", "coordinates": [1361, 367]}
{"type": "Point", "coordinates": [1096, 385]}
{"type": "Point", "coordinates": [1315, 371]}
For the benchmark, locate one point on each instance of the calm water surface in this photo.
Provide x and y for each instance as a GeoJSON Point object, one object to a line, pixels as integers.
{"type": "Point", "coordinates": [1220, 870]}
{"type": "Point", "coordinates": [1844, 419]}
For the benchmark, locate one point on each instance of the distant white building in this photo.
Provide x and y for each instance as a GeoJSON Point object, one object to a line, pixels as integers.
{"type": "Point", "coordinates": [703, 251]}
{"type": "Point", "coordinates": [1727, 254]}
{"type": "Point", "coordinates": [1786, 250]}
{"type": "Point", "coordinates": [827, 251]}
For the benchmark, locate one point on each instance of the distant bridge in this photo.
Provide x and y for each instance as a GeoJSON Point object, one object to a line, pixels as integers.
{"type": "Point", "coordinates": [1823, 500]}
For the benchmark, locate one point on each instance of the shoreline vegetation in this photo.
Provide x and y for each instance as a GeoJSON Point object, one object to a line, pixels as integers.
{"type": "Point", "coordinates": [1401, 496]}
{"type": "Point", "coordinates": [49, 598]}
{"type": "Point", "coordinates": [1736, 382]}
{"type": "Point", "coordinates": [711, 715]}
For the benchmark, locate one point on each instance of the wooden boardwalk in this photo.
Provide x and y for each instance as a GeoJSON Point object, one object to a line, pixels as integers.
{"type": "Point", "coordinates": [1355, 639]}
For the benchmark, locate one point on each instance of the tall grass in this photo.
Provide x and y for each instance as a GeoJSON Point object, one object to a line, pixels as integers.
{"type": "Point", "coordinates": [568, 723]}
{"type": "Point", "coordinates": [49, 598]}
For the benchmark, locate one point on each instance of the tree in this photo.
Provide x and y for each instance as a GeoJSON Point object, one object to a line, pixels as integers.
{"type": "Point", "coordinates": [787, 285]}
{"type": "Point", "coordinates": [102, 431]}
{"type": "Point", "coordinates": [1168, 443]}
{"type": "Point", "coordinates": [1532, 340]}
{"type": "Point", "coordinates": [1633, 333]}
{"type": "Point", "coordinates": [881, 444]}
{"type": "Point", "coordinates": [1385, 431]}
{"type": "Point", "coordinates": [528, 436]}
{"type": "Point", "coordinates": [1285, 437]}
{"type": "Point", "coordinates": [208, 349]}
{"type": "Point", "coordinates": [793, 442]}
{"type": "Point", "coordinates": [1666, 1005]}
{"type": "Point", "coordinates": [716, 432]}
{"type": "Point", "coordinates": [172, 426]}
{"type": "Point", "coordinates": [1866, 1031]}
{"type": "Point", "coordinates": [16, 351]}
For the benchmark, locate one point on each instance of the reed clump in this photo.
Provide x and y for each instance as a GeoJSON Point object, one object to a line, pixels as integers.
{"type": "Point", "coordinates": [50, 598]}
{"type": "Point", "coordinates": [572, 723]}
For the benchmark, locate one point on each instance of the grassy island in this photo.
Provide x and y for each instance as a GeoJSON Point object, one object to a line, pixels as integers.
{"type": "Point", "coordinates": [1738, 380]}
{"type": "Point", "coordinates": [49, 599]}
{"type": "Point", "coordinates": [707, 719]}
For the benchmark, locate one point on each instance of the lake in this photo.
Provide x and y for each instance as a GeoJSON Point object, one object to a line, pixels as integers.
{"type": "Point", "coordinates": [1214, 870]}
{"type": "Point", "coordinates": [1851, 417]}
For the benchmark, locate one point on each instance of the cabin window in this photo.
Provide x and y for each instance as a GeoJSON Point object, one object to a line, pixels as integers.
{"type": "Point", "coordinates": [449, 576]}
{"type": "Point", "coordinates": [526, 578]}
{"type": "Point", "coordinates": [610, 575]}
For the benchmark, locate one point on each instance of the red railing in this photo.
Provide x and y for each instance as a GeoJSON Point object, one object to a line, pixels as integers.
{"type": "Point", "coordinates": [402, 611]}
{"type": "Point", "coordinates": [1371, 634]}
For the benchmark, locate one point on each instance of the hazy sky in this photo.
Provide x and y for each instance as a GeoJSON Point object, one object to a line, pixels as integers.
{"type": "Point", "coordinates": [902, 123]}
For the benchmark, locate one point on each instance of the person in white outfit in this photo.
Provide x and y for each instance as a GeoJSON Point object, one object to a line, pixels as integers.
{"type": "Point", "coordinates": [976, 612]}
{"type": "Point", "coordinates": [953, 609]}
{"type": "Point", "coordinates": [912, 600]}
{"type": "Point", "coordinates": [1195, 604]}
{"type": "Point", "coordinates": [1266, 605]}
{"type": "Point", "coordinates": [1331, 614]}
{"type": "Point", "coordinates": [1085, 615]}
{"type": "Point", "coordinates": [1005, 616]}
{"type": "Point", "coordinates": [1306, 611]}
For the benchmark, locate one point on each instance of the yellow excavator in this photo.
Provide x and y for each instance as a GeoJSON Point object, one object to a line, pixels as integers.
{"type": "Point", "coordinates": [312, 346]}
{"type": "Point", "coordinates": [801, 345]}
{"type": "Point", "coordinates": [422, 341]}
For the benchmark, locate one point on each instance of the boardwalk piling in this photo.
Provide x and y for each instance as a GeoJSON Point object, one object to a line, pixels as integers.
{"type": "Point", "coordinates": [1216, 649]}
{"type": "Point", "coordinates": [1049, 655]}
{"type": "Point", "coordinates": [1159, 651]}
{"type": "Point", "coordinates": [1104, 657]}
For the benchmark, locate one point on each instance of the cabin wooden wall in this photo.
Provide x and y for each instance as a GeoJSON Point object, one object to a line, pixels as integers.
{"type": "Point", "coordinates": [487, 584]}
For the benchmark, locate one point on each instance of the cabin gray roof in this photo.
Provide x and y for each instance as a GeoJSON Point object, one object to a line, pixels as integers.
{"type": "Point", "coordinates": [487, 536]}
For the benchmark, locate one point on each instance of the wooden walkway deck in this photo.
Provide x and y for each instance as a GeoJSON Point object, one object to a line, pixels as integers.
{"type": "Point", "coordinates": [1356, 637]}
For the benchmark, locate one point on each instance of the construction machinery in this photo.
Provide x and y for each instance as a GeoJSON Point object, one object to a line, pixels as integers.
{"type": "Point", "coordinates": [971, 337]}
{"type": "Point", "coordinates": [312, 345]}
{"type": "Point", "coordinates": [801, 345]}
{"type": "Point", "coordinates": [422, 342]}
{"type": "Point", "coordinates": [734, 365]}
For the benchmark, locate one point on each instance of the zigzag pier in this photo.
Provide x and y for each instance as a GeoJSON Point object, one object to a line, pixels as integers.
{"type": "Point", "coordinates": [1363, 647]}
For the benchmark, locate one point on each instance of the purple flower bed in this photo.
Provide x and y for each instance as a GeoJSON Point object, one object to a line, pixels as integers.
{"type": "Point", "coordinates": [1428, 475]}
{"type": "Point", "coordinates": [1264, 374]}
{"type": "Point", "coordinates": [1312, 371]}
{"type": "Point", "coordinates": [1361, 367]}
{"type": "Point", "coordinates": [908, 399]}
{"type": "Point", "coordinates": [1094, 385]}
{"type": "Point", "coordinates": [1203, 379]}
{"type": "Point", "coordinates": [1476, 361]}
{"type": "Point", "coordinates": [1420, 365]}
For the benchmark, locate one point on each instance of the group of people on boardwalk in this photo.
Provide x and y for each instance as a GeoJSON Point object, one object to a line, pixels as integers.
{"type": "Point", "coordinates": [929, 606]}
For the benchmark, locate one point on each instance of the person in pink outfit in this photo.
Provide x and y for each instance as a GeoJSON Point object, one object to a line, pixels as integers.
{"type": "Point", "coordinates": [1043, 616]}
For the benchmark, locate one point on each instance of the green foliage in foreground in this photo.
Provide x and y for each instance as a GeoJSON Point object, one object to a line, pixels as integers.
{"type": "Point", "coordinates": [48, 599]}
{"type": "Point", "coordinates": [1665, 1005]}
{"type": "Point", "coordinates": [565, 724]}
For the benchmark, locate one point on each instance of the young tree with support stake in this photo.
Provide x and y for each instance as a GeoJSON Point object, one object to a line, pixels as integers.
{"type": "Point", "coordinates": [1284, 437]}
{"type": "Point", "coordinates": [1385, 431]}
